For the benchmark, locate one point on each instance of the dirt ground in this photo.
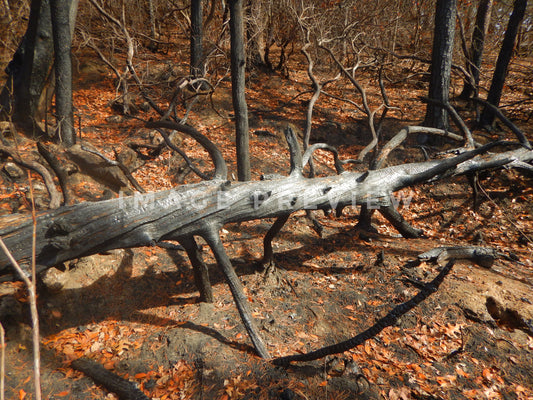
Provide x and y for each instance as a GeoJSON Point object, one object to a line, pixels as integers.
{"type": "Point", "coordinates": [137, 312]}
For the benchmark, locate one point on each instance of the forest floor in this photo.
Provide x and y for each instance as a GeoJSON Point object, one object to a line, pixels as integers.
{"type": "Point", "coordinates": [136, 311]}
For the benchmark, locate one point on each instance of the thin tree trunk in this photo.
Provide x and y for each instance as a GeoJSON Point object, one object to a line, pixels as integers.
{"type": "Point", "coordinates": [197, 69]}
{"type": "Point", "coordinates": [151, 15]}
{"type": "Point", "coordinates": [238, 84]}
{"type": "Point", "coordinates": [29, 70]}
{"type": "Point", "coordinates": [63, 71]}
{"type": "Point", "coordinates": [502, 64]}
{"type": "Point", "coordinates": [475, 57]}
{"type": "Point", "coordinates": [441, 62]}
{"type": "Point", "coordinates": [73, 13]}
{"type": "Point", "coordinates": [256, 30]}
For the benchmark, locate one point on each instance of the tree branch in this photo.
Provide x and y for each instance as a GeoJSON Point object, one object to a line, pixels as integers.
{"type": "Point", "coordinates": [55, 196]}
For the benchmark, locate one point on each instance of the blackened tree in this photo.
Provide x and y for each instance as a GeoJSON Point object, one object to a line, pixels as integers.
{"type": "Point", "coordinates": [197, 62]}
{"type": "Point", "coordinates": [29, 69]}
{"type": "Point", "coordinates": [63, 71]}
{"type": "Point", "coordinates": [49, 31]}
{"type": "Point", "coordinates": [441, 62]}
{"type": "Point", "coordinates": [502, 64]}
{"type": "Point", "coordinates": [475, 55]}
{"type": "Point", "coordinates": [238, 84]}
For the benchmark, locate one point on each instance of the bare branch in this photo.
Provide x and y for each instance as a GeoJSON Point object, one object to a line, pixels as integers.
{"type": "Point", "coordinates": [118, 164]}
{"type": "Point", "coordinates": [55, 196]}
{"type": "Point", "coordinates": [456, 119]}
{"type": "Point", "coordinates": [402, 135]}
{"type": "Point", "coordinates": [519, 134]}
{"type": "Point", "coordinates": [187, 160]}
{"type": "Point", "coordinates": [221, 170]}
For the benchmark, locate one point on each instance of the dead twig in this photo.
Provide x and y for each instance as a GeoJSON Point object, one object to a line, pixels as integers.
{"type": "Point", "coordinates": [60, 172]}
{"type": "Point", "coordinates": [455, 117]}
{"type": "Point", "coordinates": [55, 196]}
{"type": "Point", "coordinates": [118, 164]}
{"type": "Point", "coordinates": [30, 284]}
{"type": "Point", "coordinates": [519, 134]}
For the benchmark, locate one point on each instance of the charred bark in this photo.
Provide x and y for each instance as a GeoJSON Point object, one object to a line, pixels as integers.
{"type": "Point", "coordinates": [475, 55]}
{"type": "Point", "coordinates": [441, 62]}
{"type": "Point", "coordinates": [197, 57]}
{"type": "Point", "coordinates": [238, 84]}
{"type": "Point", "coordinates": [502, 64]}
{"type": "Point", "coordinates": [60, 13]}
{"type": "Point", "coordinates": [125, 389]}
{"type": "Point", "coordinates": [29, 69]}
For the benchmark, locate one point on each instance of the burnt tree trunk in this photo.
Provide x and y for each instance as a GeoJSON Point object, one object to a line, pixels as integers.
{"type": "Point", "coordinates": [441, 63]}
{"type": "Point", "coordinates": [475, 55]}
{"type": "Point", "coordinates": [29, 69]}
{"type": "Point", "coordinates": [197, 61]}
{"type": "Point", "coordinates": [502, 64]}
{"type": "Point", "coordinates": [238, 84]}
{"type": "Point", "coordinates": [191, 210]}
{"type": "Point", "coordinates": [202, 209]}
{"type": "Point", "coordinates": [60, 12]}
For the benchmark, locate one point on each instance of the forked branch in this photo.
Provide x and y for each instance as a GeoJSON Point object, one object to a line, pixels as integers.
{"type": "Point", "coordinates": [221, 169]}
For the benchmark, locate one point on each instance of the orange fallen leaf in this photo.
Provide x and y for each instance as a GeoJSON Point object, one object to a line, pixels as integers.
{"type": "Point", "coordinates": [471, 393]}
{"type": "Point", "coordinates": [487, 374]}
{"type": "Point", "coordinates": [421, 376]}
{"type": "Point", "coordinates": [519, 389]}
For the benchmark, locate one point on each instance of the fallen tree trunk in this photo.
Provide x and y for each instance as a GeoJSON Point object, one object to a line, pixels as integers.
{"type": "Point", "coordinates": [145, 219]}
{"type": "Point", "coordinates": [125, 389]}
{"type": "Point", "coordinates": [202, 209]}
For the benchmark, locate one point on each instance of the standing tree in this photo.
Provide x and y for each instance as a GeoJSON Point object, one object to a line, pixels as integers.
{"type": "Point", "coordinates": [153, 33]}
{"type": "Point", "coordinates": [197, 62]}
{"type": "Point", "coordinates": [475, 54]}
{"type": "Point", "coordinates": [50, 28]}
{"type": "Point", "coordinates": [257, 33]}
{"type": "Point", "coordinates": [238, 83]}
{"type": "Point", "coordinates": [441, 63]}
{"type": "Point", "coordinates": [63, 71]}
{"type": "Point", "coordinates": [504, 58]}
{"type": "Point", "coordinates": [28, 71]}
